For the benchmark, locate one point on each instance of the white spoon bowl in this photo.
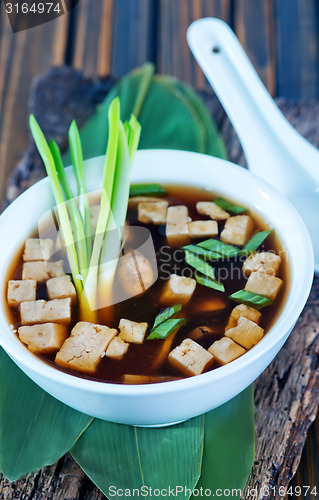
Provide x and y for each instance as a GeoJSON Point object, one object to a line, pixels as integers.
{"type": "Point", "coordinates": [169, 402]}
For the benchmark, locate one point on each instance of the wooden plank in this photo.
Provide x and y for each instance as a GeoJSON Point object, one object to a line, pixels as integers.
{"type": "Point", "coordinates": [254, 26]}
{"type": "Point", "coordinates": [133, 36]}
{"type": "Point", "coordinates": [47, 46]}
{"type": "Point", "coordinates": [297, 49]}
{"type": "Point", "coordinates": [174, 56]}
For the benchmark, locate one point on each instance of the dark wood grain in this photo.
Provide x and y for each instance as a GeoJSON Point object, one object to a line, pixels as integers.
{"type": "Point", "coordinates": [136, 19]}
{"type": "Point", "coordinates": [286, 394]}
{"type": "Point", "coordinates": [255, 28]}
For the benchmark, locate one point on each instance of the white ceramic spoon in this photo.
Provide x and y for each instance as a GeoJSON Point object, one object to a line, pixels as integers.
{"type": "Point", "coordinates": [274, 150]}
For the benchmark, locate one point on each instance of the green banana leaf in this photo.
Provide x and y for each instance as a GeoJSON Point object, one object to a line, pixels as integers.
{"type": "Point", "coordinates": [212, 143]}
{"type": "Point", "coordinates": [229, 448]}
{"type": "Point", "coordinates": [171, 114]}
{"type": "Point", "coordinates": [119, 457]}
{"type": "Point", "coordinates": [35, 429]}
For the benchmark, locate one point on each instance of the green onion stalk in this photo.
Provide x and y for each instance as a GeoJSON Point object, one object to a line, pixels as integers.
{"type": "Point", "coordinates": [92, 259]}
{"type": "Point", "coordinates": [128, 138]}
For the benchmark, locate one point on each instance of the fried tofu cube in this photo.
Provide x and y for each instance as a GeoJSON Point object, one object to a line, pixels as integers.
{"type": "Point", "coordinates": [117, 348]}
{"type": "Point", "coordinates": [61, 288]}
{"type": "Point", "coordinates": [264, 284]}
{"type": "Point", "coordinates": [245, 311]}
{"type": "Point", "coordinates": [152, 212]}
{"type": "Point", "coordinates": [37, 249]}
{"type": "Point", "coordinates": [177, 220]}
{"type": "Point", "coordinates": [212, 210]}
{"type": "Point", "coordinates": [135, 200]}
{"type": "Point", "coordinates": [237, 230]}
{"type": "Point", "coordinates": [42, 311]}
{"type": "Point", "coordinates": [83, 350]}
{"type": "Point", "coordinates": [226, 350]}
{"type": "Point", "coordinates": [44, 338]}
{"type": "Point", "coordinates": [21, 291]}
{"type": "Point", "coordinates": [246, 333]}
{"type": "Point", "coordinates": [202, 228]}
{"type": "Point", "coordinates": [264, 262]}
{"type": "Point", "coordinates": [190, 358]}
{"type": "Point", "coordinates": [42, 271]}
{"type": "Point", "coordinates": [132, 332]}
{"type": "Point", "coordinates": [177, 290]}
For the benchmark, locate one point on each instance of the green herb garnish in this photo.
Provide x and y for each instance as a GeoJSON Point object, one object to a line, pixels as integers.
{"type": "Point", "coordinates": [220, 248]}
{"type": "Point", "coordinates": [147, 190]}
{"type": "Point", "coordinates": [229, 207]}
{"type": "Point", "coordinates": [200, 265]}
{"type": "Point", "coordinates": [251, 299]}
{"type": "Point", "coordinates": [166, 314]}
{"type": "Point", "coordinates": [255, 242]}
{"type": "Point", "coordinates": [164, 324]}
{"type": "Point", "coordinates": [216, 285]}
{"type": "Point", "coordinates": [165, 329]}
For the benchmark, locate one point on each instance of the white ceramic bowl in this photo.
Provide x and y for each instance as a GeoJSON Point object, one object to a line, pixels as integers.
{"type": "Point", "coordinates": [163, 403]}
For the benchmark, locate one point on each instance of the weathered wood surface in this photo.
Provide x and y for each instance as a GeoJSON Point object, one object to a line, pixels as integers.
{"type": "Point", "coordinates": [286, 394]}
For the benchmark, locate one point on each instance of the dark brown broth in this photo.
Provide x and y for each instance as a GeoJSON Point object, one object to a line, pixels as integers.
{"type": "Point", "coordinates": [140, 359]}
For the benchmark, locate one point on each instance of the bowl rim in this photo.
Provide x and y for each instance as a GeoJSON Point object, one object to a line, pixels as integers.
{"type": "Point", "coordinates": [284, 323]}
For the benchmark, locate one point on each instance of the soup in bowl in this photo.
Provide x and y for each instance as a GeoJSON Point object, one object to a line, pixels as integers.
{"type": "Point", "coordinates": [191, 338]}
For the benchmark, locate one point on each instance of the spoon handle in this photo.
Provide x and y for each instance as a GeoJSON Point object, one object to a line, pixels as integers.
{"type": "Point", "coordinates": [274, 150]}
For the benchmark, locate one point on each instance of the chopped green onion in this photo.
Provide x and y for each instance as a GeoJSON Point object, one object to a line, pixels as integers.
{"type": "Point", "coordinates": [216, 285]}
{"type": "Point", "coordinates": [219, 247]}
{"type": "Point", "coordinates": [255, 242]}
{"type": "Point", "coordinates": [251, 299]}
{"type": "Point", "coordinates": [201, 251]}
{"type": "Point", "coordinates": [165, 329]}
{"type": "Point", "coordinates": [147, 190]}
{"type": "Point", "coordinates": [229, 207]}
{"type": "Point", "coordinates": [166, 314]}
{"type": "Point", "coordinates": [200, 265]}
